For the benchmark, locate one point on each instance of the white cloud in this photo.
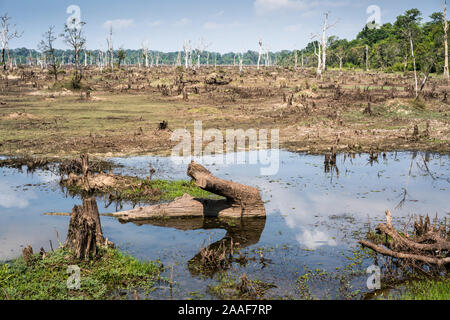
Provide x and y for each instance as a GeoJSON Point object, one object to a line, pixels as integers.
{"type": "Point", "coordinates": [315, 239]}
{"type": "Point", "coordinates": [214, 25]}
{"type": "Point", "coordinates": [263, 6]}
{"type": "Point", "coordinates": [183, 22]}
{"type": "Point", "coordinates": [156, 23]}
{"type": "Point", "coordinates": [271, 5]}
{"type": "Point", "coordinates": [219, 14]}
{"type": "Point", "coordinates": [14, 199]}
{"type": "Point", "coordinates": [118, 24]}
{"type": "Point", "coordinates": [293, 28]}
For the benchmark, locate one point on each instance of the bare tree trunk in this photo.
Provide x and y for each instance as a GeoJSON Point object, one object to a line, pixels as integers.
{"type": "Point", "coordinates": [414, 64]}
{"type": "Point", "coordinates": [319, 58]}
{"type": "Point", "coordinates": [240, 63]}
{"type": "Point", "coordinates": [3, 59]}
{"type": "Point", "coordinates": [260, 52]}
{"type": "Point", "coordinates": [324, 42]}
{"type": "Point", "coordinates": [367, 57]}
{"type": "Point", "coordinates": [446, 73]}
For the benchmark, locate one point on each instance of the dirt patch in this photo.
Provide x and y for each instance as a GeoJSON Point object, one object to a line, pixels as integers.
{"type": "Point", "coordinates": [352, 110]}
{"type": "Point", "coordinates": [19, 116]}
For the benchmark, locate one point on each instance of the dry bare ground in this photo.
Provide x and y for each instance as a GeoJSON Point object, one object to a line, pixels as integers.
{"type": "Point", "coordinates": [120, 113]}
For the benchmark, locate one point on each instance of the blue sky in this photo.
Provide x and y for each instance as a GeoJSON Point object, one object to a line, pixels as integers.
{"type": "Point", "coordinates": [231, 25]}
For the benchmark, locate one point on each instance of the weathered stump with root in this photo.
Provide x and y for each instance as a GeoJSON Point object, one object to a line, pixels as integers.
{"type": "Point", "coordinates": [85, 231]}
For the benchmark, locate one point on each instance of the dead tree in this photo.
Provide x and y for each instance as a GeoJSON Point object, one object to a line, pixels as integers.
{"type": "Point", "coordinates": [318, 54]}
{"type": "Point", "coordinates": [260, 43]}
{"type": "Point", "coordinates": [7, 35]}
{"type": "Point", "coordinates": [74, 37]}
{"type": "Point", "coordinates": [325, 28]}
{"type": "Point", "coordinates": [187, 48]}
{"type": "Point", "coordinates": [367, 57]}
{"type": "Point", "coordinates": [145, 46]}
{"type": "Point", "coordinates": [240, 57]}
{"type": "Point", "coordinates": [322, 41]}
{"type": "Point", "coordinates": [85, 231]}
{"type": "Point", "coordinates": [201, 46]}
{"type": "Point", "coordinates": [446, 74]}
{"type": "Point", "coordinates": [110, 48]}
{"type": "Point", "coordinates": [46, 45]}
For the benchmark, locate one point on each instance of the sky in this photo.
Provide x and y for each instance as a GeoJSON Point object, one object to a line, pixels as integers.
{"type": "Point", "coordinates": [225, 26]}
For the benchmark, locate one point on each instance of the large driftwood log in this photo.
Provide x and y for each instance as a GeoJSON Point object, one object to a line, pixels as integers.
{"type": "Point", "coordinates": [85, 231]}
{"type": "Point", "coordinates": [241, 201]}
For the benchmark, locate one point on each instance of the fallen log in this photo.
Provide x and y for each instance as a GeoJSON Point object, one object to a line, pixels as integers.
{"type": "Point", "coordinates": [241, 201]}
{"type": "Point", "coordinates": [400, 255]}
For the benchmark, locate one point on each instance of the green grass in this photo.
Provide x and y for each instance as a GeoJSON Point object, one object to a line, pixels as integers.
{"type": "Point", "coordinates": [427, 290]}
{"type": "Point", "coordinates": [143, 190]}
{"type": "Point", "coordinates": [169, 190]}
{"type": "Point", "coordinates": [177, 188]}
{"type": "Point", "coordinates": [46, 278]}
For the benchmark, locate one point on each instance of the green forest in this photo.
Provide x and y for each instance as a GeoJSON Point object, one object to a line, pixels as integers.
{"type": "Point", "coordinates": [386, 47]}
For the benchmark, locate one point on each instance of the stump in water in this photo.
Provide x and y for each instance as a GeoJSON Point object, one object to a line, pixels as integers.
{"type": "Point", "coordinates": [241, 201]}
{"type": "Point", "coordinates": [85, 165]}
{"type": "Point", "coordinates": [85, 231]}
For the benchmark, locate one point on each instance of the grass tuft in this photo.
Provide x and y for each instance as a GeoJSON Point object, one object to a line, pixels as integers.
{"type": "Point", "coordinates": [103, 278]}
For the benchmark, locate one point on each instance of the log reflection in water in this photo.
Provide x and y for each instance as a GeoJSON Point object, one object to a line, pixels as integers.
{"type": "Point", "coordinates": [220, 255]}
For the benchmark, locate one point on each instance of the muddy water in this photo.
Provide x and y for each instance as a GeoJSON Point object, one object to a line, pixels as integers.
{"type": "Point", "coordinates": [315, 217]}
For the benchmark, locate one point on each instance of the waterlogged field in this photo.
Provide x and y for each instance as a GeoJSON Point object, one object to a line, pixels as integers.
{"type": "Point", "coordinates": [305, 248]}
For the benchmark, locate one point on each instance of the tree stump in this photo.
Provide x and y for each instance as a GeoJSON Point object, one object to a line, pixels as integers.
{"type": "Point", "coordinates": [85, 165]}
{"type": "Point", "coordinates": [85, 231]}
{"type": "Point", "coordinates": [28, 255]}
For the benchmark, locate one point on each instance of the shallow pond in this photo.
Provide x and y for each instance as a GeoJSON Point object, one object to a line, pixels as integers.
{"type": "Point", "coordinates": [315, 216]}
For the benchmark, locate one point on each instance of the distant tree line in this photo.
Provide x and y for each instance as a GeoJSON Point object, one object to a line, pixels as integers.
{"type": "Point", "coordinates": [387, 47]}
{"type": "Point", "coordinates": [127, 57]}
{"type": "Point", "coordinates": [408, 44]}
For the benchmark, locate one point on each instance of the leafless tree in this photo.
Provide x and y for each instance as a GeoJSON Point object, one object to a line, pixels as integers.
{"type": "Point", "coordinates": [318, 53]}
{"type": "Point", "coordinates": [74, 37]}
{"type": "Point", "coordinates": [241, 58]}
{"type": "Point", "coordinates": [46, 46]}
{"type": "Point", "coordinates": [145, 46]}
{"type": "Point", "coordinates": [110, 48]}
{"type": "Point", "coordinates": [260, 43]}
{"type": "Point", "coordinates": [446, 74]}
{"type": "Point", "coordinates": [367, 57]}
{"type": "Point", "coordinates": [178, 62]}
{"type": "Point", "coordinates": [325, 28]}
{"type": "Point", "coordinates": [8, 33]}
{"type": "Point", "coordinates": [201, 46]}
{"type": "Point", "coordinates": [340, 53]}
{"type": "Point", "coordinates": [187, 48]}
